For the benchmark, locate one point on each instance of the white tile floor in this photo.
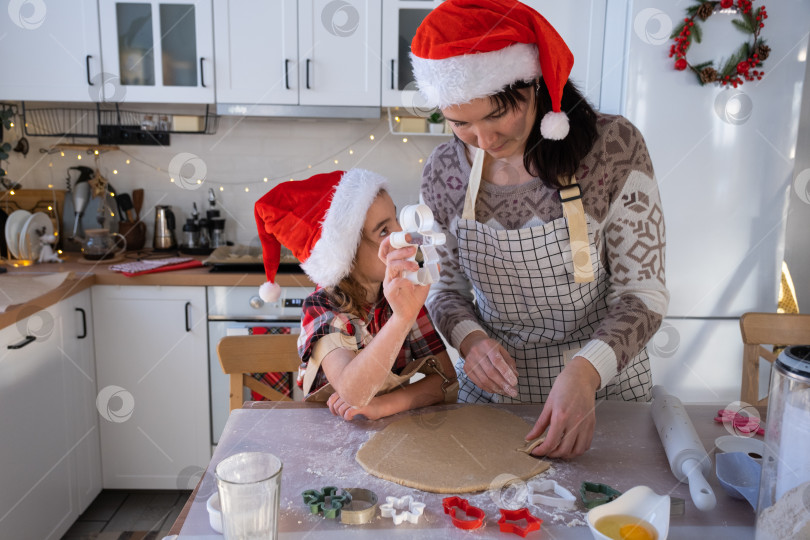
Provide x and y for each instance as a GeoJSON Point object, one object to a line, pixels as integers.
{"type": "Point", "coordinates": [129, 515]}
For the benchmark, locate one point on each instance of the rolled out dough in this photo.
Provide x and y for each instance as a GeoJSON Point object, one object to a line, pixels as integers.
{"type": "Point", "coordinates": [457, 451]}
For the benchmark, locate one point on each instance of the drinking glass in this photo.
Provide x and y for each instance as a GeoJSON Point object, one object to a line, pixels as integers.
{"type": "Point", "coordinates": [249, 485]}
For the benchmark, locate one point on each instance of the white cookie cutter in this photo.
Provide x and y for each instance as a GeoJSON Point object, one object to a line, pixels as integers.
{"type": "Point", "coordinates": [564, 499]}
{"type": "Point", "coordinates": [410, 509]}
{"type": "Point", "coordinates": [417, 220]}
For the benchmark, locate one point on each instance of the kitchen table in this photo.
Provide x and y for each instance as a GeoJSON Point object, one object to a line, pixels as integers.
{"type": "Point", "coordinates": [318, 449]}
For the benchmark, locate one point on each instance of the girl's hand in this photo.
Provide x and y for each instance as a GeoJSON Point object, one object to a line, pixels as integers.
{"type": "Point", "coordinates": [340, 408]}
{"type": "Point", "coordinates": [405, 298]}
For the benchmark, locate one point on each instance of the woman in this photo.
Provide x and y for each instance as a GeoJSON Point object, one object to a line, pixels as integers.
{"type": "Point", "coordinates": [552, 217]}
{"type": "Point", "coordinates": [364, 331]}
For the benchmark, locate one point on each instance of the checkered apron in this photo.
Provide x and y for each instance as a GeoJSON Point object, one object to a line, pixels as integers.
{"type": "Point", "coordinates": [527, 299]}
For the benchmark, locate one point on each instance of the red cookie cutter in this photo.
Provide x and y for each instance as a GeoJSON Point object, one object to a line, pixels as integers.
{"type": "Point", "coordinates": [507, 516]}
{"type": "Point", "coordinates": [740, 422]}
{"type": "Point", "coordinates": [451, 503]}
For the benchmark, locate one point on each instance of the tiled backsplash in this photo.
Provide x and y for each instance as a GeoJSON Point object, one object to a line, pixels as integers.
{"type": "Point", "coordinates": [235, 161]}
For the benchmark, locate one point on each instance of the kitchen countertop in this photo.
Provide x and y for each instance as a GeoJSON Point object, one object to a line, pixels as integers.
{"type": "Point", "coordinates": [87, 274]}
{"type": "Point", "coordinates": [318, 449]}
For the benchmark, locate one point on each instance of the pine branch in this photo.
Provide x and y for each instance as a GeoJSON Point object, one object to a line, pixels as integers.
{"type": "Point", "coordinates": [677, 31]}
{"type": "Point", "coordinates": [697, 33]}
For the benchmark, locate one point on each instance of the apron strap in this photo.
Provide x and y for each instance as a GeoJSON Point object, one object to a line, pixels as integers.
{"type": "Point", "coordinates": [574, 213]}
{"type": "Point", "coordinates": [473, 185]}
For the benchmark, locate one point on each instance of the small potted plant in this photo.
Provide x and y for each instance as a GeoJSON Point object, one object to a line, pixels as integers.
{"type": "Point", "coordinates": [436, 122]}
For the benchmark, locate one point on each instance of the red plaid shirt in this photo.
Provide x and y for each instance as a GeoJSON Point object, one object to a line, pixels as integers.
{"type": "Point", "coordinates": [321, 317]}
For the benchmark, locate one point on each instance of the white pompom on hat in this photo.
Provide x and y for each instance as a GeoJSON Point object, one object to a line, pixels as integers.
{"type": "Point", "coordinates": [320, 220]}
{"type": "Point", "coordinates": [469, 49]}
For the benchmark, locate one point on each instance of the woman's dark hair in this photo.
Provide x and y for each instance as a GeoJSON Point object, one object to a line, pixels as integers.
{"type": "Point", "coordinates": [554, 161]}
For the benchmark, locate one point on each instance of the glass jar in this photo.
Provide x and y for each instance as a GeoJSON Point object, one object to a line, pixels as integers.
{"type": "Point", "coordinates": [784, 490]}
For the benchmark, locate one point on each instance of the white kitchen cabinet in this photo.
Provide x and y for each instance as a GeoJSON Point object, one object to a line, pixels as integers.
{"type": "Point", "coordinates": [152, 368]}
{"type": "Point", "coordinates": [158, 52]}
{"type": "Point", "coordinates": [304, 53]}
{"type": "Point", "coordinates": [36, 501]}
{"type": "Point", "coordinates": [400, 19]}
{"type": "Point", "coordinates": [51, 51]}
{"type": "Point", "coordinates": [78, 359]}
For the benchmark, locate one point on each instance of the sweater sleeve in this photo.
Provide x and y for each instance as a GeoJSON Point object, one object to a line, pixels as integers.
{"type": "Point", "coordinates": [450, 302]}
{"type": "Point", "coordinates": [634, 243]}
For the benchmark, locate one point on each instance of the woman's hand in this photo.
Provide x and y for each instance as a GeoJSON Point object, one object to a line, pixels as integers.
{"type": "Point", "coordinates": [488, 365]}
{"type": "Point", "coordinates": [569, 412]}
{"type": "Point", "coordinates": [340, 408]}
{"type": "Point", "coordinates": [405, 298]}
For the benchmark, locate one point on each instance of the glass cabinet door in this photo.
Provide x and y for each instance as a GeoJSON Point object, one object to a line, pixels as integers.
{"type": "Point", "coordinates": [136, 56]}
{"type": "Point", "coordinates": [178, 44]}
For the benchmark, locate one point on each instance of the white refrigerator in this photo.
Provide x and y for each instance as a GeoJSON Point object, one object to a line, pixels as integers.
{"type": "Point", "coordinates": [724, 162]}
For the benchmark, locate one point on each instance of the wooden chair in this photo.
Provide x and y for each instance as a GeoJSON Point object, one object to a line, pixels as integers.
{"type": "Point", "coordinates": [767, 328]}
{"type": "Point", "coordinates": [240, 356]}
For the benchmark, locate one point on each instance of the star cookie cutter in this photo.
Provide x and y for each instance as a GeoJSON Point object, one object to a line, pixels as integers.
{"type": "Point", "coordinates": [316, 500]}
{"type": "Point", "coordinates": [508, 517]}
{"type": "Point", "coordinates": [352, 514]}
{"type": "Point", "coordinates": [451, 503]}
{"type": "Point", "coordinates": [402, 509]}
{"type": "Point", "coordinates": [563, 498]}
{"type": "Point", "coordinates": [417, 220]}
{"type": "Point", "coordinates": [603, 494]}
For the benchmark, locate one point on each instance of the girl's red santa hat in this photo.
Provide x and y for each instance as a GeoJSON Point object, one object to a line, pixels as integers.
{"type": "Point", "coordinates": [469, 49]}
{"type": "Point", "coordinates": [320, 220]}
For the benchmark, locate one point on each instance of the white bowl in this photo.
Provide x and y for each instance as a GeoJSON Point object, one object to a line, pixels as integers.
{"type": "Point", "coordinates": [640, 502]}
{"type": "Point", "coordinates": [214, 512]}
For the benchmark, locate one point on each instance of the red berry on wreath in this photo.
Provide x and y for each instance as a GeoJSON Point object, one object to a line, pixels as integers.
{"type": "Point", "coordinates": [742, 67]}
{"type": "Point", "coordinates": [725, 4]}
{"type": "Point", "coordinates": [680, 64]}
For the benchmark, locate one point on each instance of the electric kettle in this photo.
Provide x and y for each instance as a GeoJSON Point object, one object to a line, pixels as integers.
{"type": "Point", "coordinates": [164, 229]}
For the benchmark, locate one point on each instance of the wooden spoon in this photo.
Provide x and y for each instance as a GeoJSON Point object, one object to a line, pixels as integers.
{"type": "Point", "coordinates": [137, 202]}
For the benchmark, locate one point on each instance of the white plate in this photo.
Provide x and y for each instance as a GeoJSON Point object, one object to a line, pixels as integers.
{"type": "Point", "coordinates": [747, 445]}
{"type": "Point", "coordinates": [37, 226]}
{"type": "Point", "coordinates": [14, 225]}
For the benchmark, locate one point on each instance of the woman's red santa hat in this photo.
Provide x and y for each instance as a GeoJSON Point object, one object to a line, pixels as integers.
{"type": "Point", "coordinates": [320, 220]}
{"type": "Point", "coordinates": [469, 49]}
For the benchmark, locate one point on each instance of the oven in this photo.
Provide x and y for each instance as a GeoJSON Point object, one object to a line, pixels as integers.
{"type": "Point", "coordinates": [236, 311]}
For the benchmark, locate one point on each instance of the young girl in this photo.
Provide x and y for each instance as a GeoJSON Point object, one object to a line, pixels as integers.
{"type": "Point", "coordinates": [365, 331]}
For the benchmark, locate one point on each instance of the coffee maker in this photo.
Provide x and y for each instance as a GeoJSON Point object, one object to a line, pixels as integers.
{"type": "Point", "coordinates": [164, 229]}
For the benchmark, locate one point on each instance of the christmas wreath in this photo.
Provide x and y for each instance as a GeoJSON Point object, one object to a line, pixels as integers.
{"type": "Point", "coordinates": [742, 65]}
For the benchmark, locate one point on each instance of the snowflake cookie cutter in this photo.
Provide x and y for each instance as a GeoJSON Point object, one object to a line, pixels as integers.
{"type": "Point", "coordinates": [450, 504]}
{"type": "Point", "coordinates": [402, 509]}
{"type": "Point", "coordinates": [562, 498]}
{"type": "Point", "coordinates": [509, 517]}
{"type": "Point", "coordinates": [317, 501]}
{"type": "Point", "coordinates": [417, 221]}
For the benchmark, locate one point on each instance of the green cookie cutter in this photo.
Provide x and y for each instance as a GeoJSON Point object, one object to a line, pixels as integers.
{"type": "Point", "coordinates": [316, 500]}
{"type": "Point", "coordinates": [603, 494]}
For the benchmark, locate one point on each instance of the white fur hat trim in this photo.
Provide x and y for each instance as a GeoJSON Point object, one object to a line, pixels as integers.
{"type": "Point", "coordinates": [461, 79]}
{"type": "Point", "coordinates": [333, 254]}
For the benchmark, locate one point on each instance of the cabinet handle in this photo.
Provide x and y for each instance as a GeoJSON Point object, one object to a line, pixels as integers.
{"type": "Point", "coordinates": [308, 61]}
{"type": "Point", "coordinates": [287, 73]}
{"type": "Point", "coordinates": [188, 317]}
{"type": "Point", "coordinates": [202, 73]}
{"type": "Point", "coordinates": [87, 69]}
{"type": "Point", "coordinates": [392, 74]}
{"type": "Point", "coordinates": [23, 343]}
{"type": "Point", "coordinates": [84, 323]}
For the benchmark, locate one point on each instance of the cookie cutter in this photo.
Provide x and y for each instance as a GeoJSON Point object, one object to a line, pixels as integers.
{"type": "Point", "coordinates": [417, 220]}
{"type": "Point", "coordinates": [451, 503]}
{"type": "Point", "coordinates": [402, 509]}
{"type": "Point", "coordinates": [564, 499]}
{"type": "Point", "coordinates": [316, 500]}
{"type": "Point", "coordinates": [351, 516]}
{"type": "Point", "coordinates": [603, 494]}
{"type": "Point", "coordinates": [509, 516]}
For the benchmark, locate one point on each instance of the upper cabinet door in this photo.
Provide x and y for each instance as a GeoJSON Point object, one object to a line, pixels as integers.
{"type": "Point", "coordinates": [400, 19]}
{"type": "Point", "coordinates": [51, 51]}
{"type": "Point", "coordinates": [157, 51]}
{"type": "Point", "coordinates": [338, 52]}
{"type": "Point", "coordinates": [256, 51]}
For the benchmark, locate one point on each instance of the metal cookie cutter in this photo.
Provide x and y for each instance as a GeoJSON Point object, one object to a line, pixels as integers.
{"type": "Point", "coordinates": [602, 494]}
{"type": "Point", "coordinates": [564, 499]}
{"type": "Point", "coordinates": [417, 220]}
{"type": "Point", "coordinates": [507, 516]}
{"type": "Point", "coordinates": [451, 503]}
{"type": "Point", "coordinates": [359, 497]}
{"type": "Point", "coordinates": [316, 500]}
{"type": "Point", "coordinates": [410, 509]}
